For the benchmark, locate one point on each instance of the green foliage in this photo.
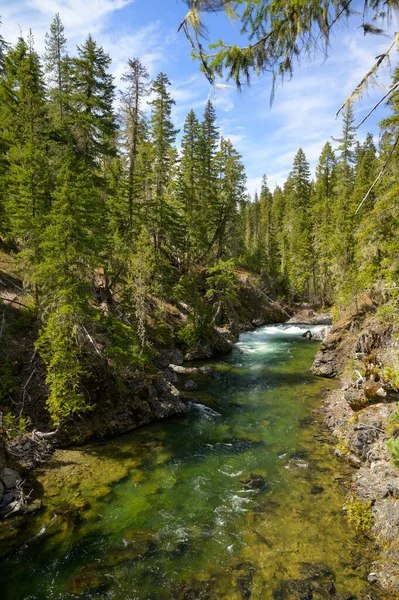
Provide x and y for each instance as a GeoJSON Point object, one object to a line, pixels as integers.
{"type": "Point", "coordinates": [12, 426]}
{"type": "Point", "coordinates": [123, 350]}
{"type": "Point", "coordinates": [334, 314]}
{"type": "Point", "coordinates": [393, 447]}
{"type": "Point", "coordinates": [360, 515]}
{"type": "Point", "coordinates": [392, 376]}
{"type": "Point", "coordinates": [60, 344]}
{"type": "Point", "coordinates": [278, 34]}
{"type": "Point", "coordinates": [342, 445]}
{"type": "Point", "coordinates": [221, 282]}
{"type": "Point", "coordinates": [190, 336]}
{"type": "Point", "coordinates": [7, 380]}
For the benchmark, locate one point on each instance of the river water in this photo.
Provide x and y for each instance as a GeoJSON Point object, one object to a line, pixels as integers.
{"type": "Point", "coordinates": [240, 499]}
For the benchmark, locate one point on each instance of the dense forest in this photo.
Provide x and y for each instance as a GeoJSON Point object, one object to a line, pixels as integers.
{"type": "Point", "coordinates": [104, 212]}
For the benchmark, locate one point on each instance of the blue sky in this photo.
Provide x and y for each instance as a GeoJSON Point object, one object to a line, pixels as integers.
{"type": "Point", "coordinates": [303, 113]}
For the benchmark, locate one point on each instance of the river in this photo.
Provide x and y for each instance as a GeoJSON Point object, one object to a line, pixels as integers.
{"type": "Point", "coordinates": [240, 499]}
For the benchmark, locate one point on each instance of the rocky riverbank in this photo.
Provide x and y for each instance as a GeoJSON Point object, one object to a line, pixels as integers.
{"type": "Point", "coordinates": [359, 351]}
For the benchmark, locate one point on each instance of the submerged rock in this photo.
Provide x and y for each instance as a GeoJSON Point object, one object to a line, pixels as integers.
{"type": "Point", "coordinates": [89, 579]}
{"type": "Point", "coordinates": [255, 481]}
{"type": "Point", "coordinates": [317, 583]}
{"type": "Point", "coordinates": [190, 385]}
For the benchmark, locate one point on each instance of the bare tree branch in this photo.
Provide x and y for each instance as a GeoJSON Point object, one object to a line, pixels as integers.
{"type": "Point", "coordinates": [377, 105]}
{"type": "Point", "coordinates": [369, 74]}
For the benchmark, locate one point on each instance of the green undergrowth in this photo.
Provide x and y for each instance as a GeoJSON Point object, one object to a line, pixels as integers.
{"type": "Point", "coordinates": [359, 515]}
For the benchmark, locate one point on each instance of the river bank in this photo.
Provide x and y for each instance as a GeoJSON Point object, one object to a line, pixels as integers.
{"type": "Point", "coordinates": [362, 416]}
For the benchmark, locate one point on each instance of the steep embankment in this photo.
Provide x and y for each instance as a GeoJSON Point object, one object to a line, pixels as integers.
{"type": "Point", "coordinates": [362, 350]}
{"type": "Point", "coordinates": [121, 401]}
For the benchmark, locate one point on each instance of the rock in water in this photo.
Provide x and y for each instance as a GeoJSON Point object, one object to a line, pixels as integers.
{"type": "Point", "coordinates": [255, 482]}
{"type": "Point", "coordinates": [190, 385]}
{"type": "Point", "coordinates": [307, 335]}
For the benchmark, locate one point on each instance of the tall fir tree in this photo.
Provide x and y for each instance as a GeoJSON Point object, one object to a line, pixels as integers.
{"type": "Point", "coordinates": [136, 78]}
{"type": "Point", "coordinates": [322, 223]}
{"type": "Point", "coordinates": [57, 64]}
{"type": "Point", "coordinates": [28, 183]}
{"type": "Point", "coordinates": [297, 225]}
{"type": "Point", "coordinates": [162, 135]}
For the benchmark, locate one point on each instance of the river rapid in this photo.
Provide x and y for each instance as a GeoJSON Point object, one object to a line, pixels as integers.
{"type": "Point", "coordinates": [241, 499]}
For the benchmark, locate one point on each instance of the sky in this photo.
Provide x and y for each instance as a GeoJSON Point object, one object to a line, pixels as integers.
{"type": "Point", "coordinates": [303, 112]}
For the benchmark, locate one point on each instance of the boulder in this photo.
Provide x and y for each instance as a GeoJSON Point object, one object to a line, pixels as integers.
{"type": "Point", "coordinates": [208, 371]}
{"type": "Point", "coordinates": [6, 500]}
{"type": "Point", "coordinates": [9, 478]}
{"type": "Point", "coordinates": [177, 357]}
{"type": "Point", "coordinates": [307, 335]}
{"type": "Point", "coordinates": [364, 437]}
{"type": "Point", "coordinates": [321, 335]}
{"type": "Point", "coordinates": [355, 398]}
{"type": "Point", "coordinates": [325, 364]}
{"type": "Point", "coordinates": [393, 489]}
{"type": "Point", "coordinates": [190, 385]}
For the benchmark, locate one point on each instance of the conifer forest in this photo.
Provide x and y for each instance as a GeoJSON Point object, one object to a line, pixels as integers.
{"type": "Point", "coordinates": [140, 281]}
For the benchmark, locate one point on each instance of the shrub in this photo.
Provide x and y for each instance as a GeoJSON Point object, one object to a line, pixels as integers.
{"type": "Point", "coordinates": [360, 515]}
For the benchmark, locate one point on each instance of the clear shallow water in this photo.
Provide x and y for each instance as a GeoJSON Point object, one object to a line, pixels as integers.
{"type": "Point", "coordinates": [238, 500]}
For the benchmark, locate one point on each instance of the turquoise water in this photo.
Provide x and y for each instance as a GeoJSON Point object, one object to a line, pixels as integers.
{"type": "Point", "coordinates": [241, 499]}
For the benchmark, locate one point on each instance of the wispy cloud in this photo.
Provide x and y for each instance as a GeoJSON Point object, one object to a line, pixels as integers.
{"type": "Point", "coordinates": [79, 15]}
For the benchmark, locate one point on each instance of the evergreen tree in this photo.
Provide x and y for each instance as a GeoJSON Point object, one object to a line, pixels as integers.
{"type": "Point", "coordinates": [231, 196]}
{"type": "Point", "coordinates": [56, 63]}
{"type": "Point", "coordinates": [322, 210]}
{"type": "Point", "coordinates": [92, 95]}
{"type": "Point", "coordinates": [208, 146]}
{"type": "Point", "coordinates": [136, 77]}
{"type": "Point", "coordinates": [343, 217]}
{"type": "Point", "coordinates": [3, 51]}
{"type": "Point", "coordinates": [68, 251]}
{"type": "Point", "coordinates": [297, 224]}
{"type": "Point", "coordinates": [268, 232]}
{"type": "Point", "coordinates": [26, 129]}
{"type": "Point", "coordinates": [162, 135]}
{"type": "Point", "coordinates": [189, 189]}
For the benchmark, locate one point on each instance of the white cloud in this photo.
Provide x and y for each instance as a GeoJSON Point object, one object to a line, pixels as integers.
{"type": "Point", "coordinates": [79, 15]}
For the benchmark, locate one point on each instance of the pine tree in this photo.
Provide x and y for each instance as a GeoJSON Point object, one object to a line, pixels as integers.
{"type": "Point", "coordinates": [26, 126]}
{"type": "Point", "coordinates": [343, 221]}
{"type": "Point", "coordinates": [92, 95]}
{"type": "Point", "coordinates": [162, 135]}
{"type": "Point", "coordinates": [56, 63]}
{"type": "Point", "coordinates": [189, 190]}
{"type": "Point", "coordinates": [278, 212]}
{"type": "Point", "coordinates": [136, 77]}
{"type": "Point", "coordinates": [208, 146]}
{"type": "Point", "coordinates": [322, 210]}
{"type": "Point", "coordinates": [3, 52]}
{"type": "Point", "coordinates": [231, 196]}
{"type": "Point", "coordinates": [297, 224]}
{"type": "Point", "coordinates": [268, 233]}
{"type": "Point", "coordinates": [68, 251]}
